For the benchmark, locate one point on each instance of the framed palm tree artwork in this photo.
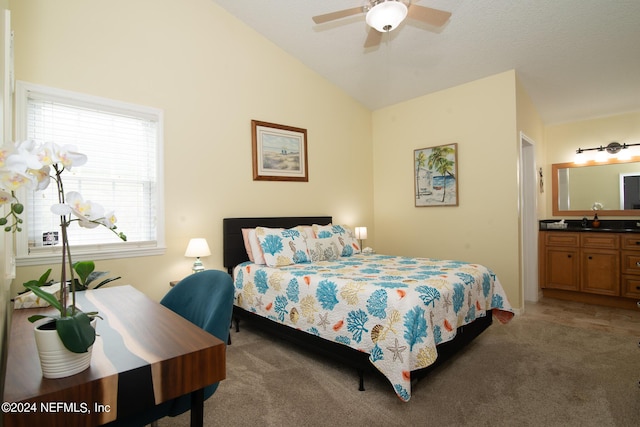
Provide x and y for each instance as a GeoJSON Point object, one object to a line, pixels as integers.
{"type": "Point", "coordinates": [436, 175]}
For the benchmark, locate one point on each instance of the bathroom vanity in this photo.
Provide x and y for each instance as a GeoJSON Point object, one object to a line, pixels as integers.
{"type": "Point", "coordinates": [594, 265]}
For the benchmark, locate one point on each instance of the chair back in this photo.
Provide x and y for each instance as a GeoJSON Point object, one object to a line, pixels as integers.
{"type": "Point", "coordinates": [206, 300]}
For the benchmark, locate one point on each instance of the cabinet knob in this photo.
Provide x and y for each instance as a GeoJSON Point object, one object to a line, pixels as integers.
{"type": "Point", "coordinates": [637, 263]}
{"type": "Point", "coordinates": [590, 257]}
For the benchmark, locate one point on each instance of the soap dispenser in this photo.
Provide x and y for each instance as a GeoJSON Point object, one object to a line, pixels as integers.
{"type": "Point", "coordinates": [596, 221]}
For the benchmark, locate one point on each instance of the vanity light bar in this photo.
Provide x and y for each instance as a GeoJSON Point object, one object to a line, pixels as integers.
{"type": "Point", "coordinates": [611, 148]}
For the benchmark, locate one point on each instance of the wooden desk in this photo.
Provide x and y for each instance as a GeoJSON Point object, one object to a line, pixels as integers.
{"type": "Point", "coordinates": [144, 354]}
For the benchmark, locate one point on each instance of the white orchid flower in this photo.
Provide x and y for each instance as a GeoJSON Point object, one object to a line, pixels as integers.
{"type": "Point", "coordinates": [5, 151]}
{"type": "Point", "coordinates": [46, 154]}
{"type": "Point", "coordinates": [5, 197]}
{"type": "Point", "coordinates": [29, 163]}
{"type": "Point", "coordinates": [15, 162]}
{"type": "Point", "coordinates": [42, 177]}
{"type": "Point", "coordinates": [70, 157]}
{"type": "Point", "coordinates": [12, 180]}
{"type": "Point", "coordinates": [67, 155]}
{"type": "Point", "coordinates": [28, 152]}
{"type": "Point", "coordinates": [61, 209]}
{"type": "Point", "coordinates": [86, 211]}
{"type": "Point", "coordinates": [109, 220]}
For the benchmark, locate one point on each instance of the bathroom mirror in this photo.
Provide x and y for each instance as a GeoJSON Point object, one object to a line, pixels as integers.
{"type": "Point", "coordinates": [613, 186]}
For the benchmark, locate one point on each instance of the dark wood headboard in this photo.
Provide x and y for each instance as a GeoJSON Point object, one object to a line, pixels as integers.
{"type": "Point", "coordinates": [233, 245]}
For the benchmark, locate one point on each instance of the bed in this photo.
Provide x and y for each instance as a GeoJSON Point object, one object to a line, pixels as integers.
{"type": "Point", "coordinates": [397, 315]}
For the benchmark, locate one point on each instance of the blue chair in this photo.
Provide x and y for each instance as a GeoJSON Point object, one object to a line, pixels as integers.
{"type": "Point", "coordinates": [206, 300]}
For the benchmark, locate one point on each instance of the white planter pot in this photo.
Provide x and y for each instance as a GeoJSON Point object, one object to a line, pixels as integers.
{"type": "Point", "coordinates": [56, 361]}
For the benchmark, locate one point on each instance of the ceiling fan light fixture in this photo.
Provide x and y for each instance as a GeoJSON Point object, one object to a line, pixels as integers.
{"type": "Point", "coordinates": [386, 15]}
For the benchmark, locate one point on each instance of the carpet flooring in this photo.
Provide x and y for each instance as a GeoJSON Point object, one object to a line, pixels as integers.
{"type": "Point", "coordinates": [529, 372]}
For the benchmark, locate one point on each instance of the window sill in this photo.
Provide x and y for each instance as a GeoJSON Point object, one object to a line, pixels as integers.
{"type": "Point", "coordinates": [52, 255]}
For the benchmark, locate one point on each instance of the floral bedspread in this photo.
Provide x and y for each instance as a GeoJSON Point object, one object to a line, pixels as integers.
{"type": "Point", "coordinates": [396, 309]}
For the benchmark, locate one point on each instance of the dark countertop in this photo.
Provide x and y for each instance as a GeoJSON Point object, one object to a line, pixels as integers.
{"type": "Point", "coordinates": [606, 225]}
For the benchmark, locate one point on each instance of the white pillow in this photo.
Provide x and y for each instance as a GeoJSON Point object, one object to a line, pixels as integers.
{"type": "Point", "coordinates": [282, 247]}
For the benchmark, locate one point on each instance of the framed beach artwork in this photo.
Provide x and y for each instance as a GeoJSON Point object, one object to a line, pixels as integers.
{"type": "Point", "coordinates": [279, 152]}
{"type": "Point", "coordinates": [436, 175]}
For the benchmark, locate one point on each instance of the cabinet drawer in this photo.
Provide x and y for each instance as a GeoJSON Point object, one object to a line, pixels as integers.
{"type": "Point", "coordinates": [630, 262]}
{"type": "Point", "coordinates": [631, 242]}
{"type": "Point", "coordinates": [599, 240]}
{"type": "Point", "coordinates": [631, 286]}
{"type": "Point", "coordinates": [562, 239]}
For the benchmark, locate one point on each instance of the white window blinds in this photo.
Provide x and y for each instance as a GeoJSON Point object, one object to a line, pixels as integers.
{"type": "Point", "coordinates": [121, 173]}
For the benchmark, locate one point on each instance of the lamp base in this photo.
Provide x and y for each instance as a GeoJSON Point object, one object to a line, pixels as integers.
{"type": "Point", "coordinates": [197, 266]}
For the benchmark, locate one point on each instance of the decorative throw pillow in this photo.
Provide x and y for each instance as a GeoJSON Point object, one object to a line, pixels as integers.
{"type": "Point", "coordinates": [306, 231]}
{"type": "Point", "coordinates": [348, 243]}
{"type": "Point", "coordinates": [247, 245]}
{"type": "Point", "coordinates": [282, 246]}
{"type": "Point", "coordinates": [324, 249]}
{"type": "Point", "coordinates": [256, 250]}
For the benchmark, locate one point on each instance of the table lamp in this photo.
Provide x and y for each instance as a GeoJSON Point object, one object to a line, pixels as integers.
{"type": "Point", "coordinates": [361, 234]}
{"type": "Point", "coordinates": [197, 248]}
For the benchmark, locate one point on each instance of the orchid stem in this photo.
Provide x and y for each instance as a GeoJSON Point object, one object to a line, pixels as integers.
{"type": "Point", "coordinates": [66, 252]}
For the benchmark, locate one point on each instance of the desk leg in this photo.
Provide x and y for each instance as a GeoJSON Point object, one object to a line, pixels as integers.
{"type": "Point", "coordinates": [197, 408]}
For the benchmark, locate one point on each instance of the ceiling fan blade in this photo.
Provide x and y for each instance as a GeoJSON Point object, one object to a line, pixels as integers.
{"type": "Point", "coordinates": [320, 19]}
{"type": "Point", "coordinates": [435, 17]}
{"type": "Point", "coordinates": [373, 38]}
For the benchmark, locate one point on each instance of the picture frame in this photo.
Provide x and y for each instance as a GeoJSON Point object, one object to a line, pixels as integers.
{"type": "Point", "coordinates": [279, 152]}
{"type": "Point", "coordinates": [435, 173]}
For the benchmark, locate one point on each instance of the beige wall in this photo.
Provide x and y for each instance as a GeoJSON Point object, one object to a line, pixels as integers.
{"type": "Point", "coordinates": [4, 242]}
{"type": "Point", "coordinates": [530, 124]}
{"type": "Point", "coordinates": [564, 139]}
{"type": "Point", "coordinates": [480, 117]}
{"type": "Point", "coordinates": [211, 75]}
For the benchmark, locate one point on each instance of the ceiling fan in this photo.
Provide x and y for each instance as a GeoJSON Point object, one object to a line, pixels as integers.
{"type": "Point", "coordinates": [385, 15]}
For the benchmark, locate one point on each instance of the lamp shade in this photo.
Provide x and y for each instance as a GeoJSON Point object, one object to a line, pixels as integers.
{"type": "Point", "coordinates": [197, 247]}
{"type": "Point", "coordinates": [361, 233]}
{"type": "Point", "coordinates": [386, 15]}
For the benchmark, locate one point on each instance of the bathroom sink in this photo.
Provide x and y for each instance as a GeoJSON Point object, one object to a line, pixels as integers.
{"type": "Point", "coordinates": [609, 229]}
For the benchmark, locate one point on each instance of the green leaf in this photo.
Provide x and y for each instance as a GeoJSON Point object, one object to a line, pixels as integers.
{"type": "Point", "coordinates": [45, 276]}
{"type": "Point", "coordinates": [37, 317]}
{"type": "Point", "coordinates": [84, 269]}
{"type": "Point", "coordinates": [50, 298]}
{"type": "Point", "coordinates": [76, 332]}
{"type": "Point", "coordinates": [95, 275]}
{"type": "Point", "coordinates": [105, 281]}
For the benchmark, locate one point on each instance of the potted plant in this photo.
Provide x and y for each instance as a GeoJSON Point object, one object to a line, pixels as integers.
{"type": "Point", "coordinates": [35, 166]}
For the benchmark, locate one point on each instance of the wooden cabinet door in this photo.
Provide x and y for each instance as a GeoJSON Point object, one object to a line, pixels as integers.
{"type": "Point", "coordinates": [562, 268]}
{"type": "Point", "coordinates": [631, 286]}
{"type": "Point", "coordinates": [600, 272]}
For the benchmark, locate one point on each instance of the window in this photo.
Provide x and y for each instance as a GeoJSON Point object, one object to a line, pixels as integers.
{"type": "Point", "coordinates": [123, 143]}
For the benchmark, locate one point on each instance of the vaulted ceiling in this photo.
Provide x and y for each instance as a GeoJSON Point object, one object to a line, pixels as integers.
{"type": "Point", "coordinates": [577, 59]}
